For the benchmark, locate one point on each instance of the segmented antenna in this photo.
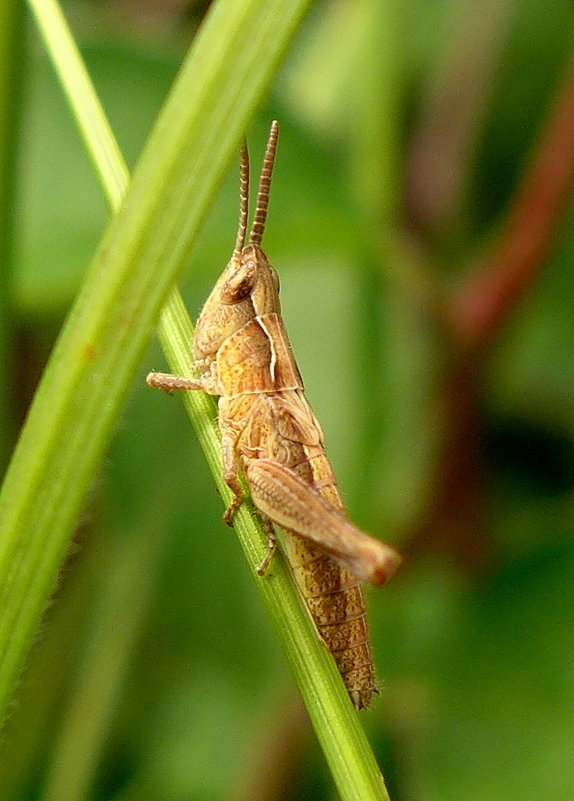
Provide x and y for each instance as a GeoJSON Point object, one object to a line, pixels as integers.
{"type": "Point", "coordinates": [243, 199]}
{"type": "Point", "coordinates": [264, 182]}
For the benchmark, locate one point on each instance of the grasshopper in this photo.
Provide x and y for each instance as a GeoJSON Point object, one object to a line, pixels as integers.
{"type": "Point", "coordinates": [269, 432]}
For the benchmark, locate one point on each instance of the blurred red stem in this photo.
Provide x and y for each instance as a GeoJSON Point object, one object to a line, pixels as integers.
{"type": "Point", "coordinates": [480, 307]}
{"type": "Point", "coordinates": [457, 515]}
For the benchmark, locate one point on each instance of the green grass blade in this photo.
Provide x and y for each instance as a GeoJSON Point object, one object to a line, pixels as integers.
{"type": "Point", "coordinates": [346, 748]}
{"type": "Point", "coordinates": [90, 117]}
{"type": "Point", "coordinates": [70, 422]}
{"type": "Point", "coordinates": [336, 723]}
{"type": "Point", "coordinates": [11, 59]}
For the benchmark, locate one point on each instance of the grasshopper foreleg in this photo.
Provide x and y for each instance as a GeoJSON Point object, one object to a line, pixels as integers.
{"type": "Point", "coordinates": [169, 382]}
{"type": "Point", "coordinates": [206, 382]}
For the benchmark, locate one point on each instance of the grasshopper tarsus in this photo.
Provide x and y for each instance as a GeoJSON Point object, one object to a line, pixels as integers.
{"type": "Point", "coordinates": [269, 432]}
{"type": "Point", "coordinates": [234, 505]}
{"type": "Point", "coordinates": [271, 547]}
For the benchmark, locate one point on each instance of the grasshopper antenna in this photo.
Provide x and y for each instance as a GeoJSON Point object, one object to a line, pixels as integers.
{"type": "Point", "coordinates": [243, 199]}
{"type": "Point", "coordinates": [264, 182]}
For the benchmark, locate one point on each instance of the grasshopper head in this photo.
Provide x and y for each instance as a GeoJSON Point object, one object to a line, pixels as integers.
{"type": "Point", "coordinates": [249, 286]}
{"type": "Point", "coordinates": [256, 271]}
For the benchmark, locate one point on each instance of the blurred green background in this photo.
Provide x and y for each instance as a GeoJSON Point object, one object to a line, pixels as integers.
{"type": "Point", "coordinates": [406, 131]}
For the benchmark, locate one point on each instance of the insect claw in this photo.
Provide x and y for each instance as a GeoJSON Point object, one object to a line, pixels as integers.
{"type": "Point", "coordinates": [228, 514]}
{"type": "Point", "coordinates": [271, 548]}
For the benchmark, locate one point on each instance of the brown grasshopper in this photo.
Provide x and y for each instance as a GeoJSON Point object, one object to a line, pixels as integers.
{"type": "Point", "coordinates": [269, 432]}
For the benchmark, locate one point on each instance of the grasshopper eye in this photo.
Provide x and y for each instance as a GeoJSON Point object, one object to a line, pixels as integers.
{"type": "Point", "coordinates": [240, 285]}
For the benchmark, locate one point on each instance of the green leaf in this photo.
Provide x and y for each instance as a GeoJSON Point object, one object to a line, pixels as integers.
{"type": "Point", "coordinates": [80, 396]}
{"type": "Point", "coordinates": [71, 420]}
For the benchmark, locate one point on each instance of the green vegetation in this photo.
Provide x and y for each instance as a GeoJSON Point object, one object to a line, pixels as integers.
{"type": "Point", "coordinates": [426, 284]}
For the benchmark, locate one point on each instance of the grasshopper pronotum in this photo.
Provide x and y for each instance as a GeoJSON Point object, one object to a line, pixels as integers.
{"type": "Point", "coordinates": [270, 433]}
